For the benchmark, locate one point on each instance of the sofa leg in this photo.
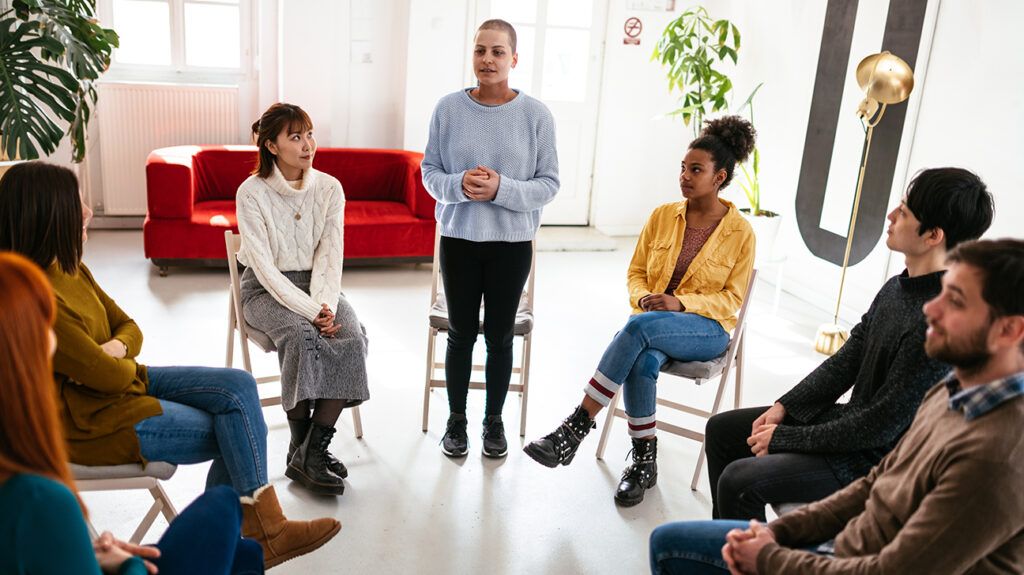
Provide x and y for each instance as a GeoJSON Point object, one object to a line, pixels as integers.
{"type": "Point", "coordinates": [163, 271]}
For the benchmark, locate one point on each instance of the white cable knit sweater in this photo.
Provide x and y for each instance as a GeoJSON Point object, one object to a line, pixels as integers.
{"type": "Point", "coordinates": [274, 241]}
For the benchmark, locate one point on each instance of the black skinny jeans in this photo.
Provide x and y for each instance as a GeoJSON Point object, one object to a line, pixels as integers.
{"type": "Point", "coordinates": [741, 484]}
{"type": "Point", "coordinates": [496, 272]}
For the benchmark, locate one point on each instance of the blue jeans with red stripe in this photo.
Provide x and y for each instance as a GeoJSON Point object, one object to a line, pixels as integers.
{"type": "Point", "coordinates": [637, 352]}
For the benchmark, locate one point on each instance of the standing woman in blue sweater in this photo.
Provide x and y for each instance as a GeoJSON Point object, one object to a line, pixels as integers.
{"type": "Point", "coordinates": [491, 165]}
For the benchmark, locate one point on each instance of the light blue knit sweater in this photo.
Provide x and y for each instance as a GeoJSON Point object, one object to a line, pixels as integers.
{"type": "Point", "coordinates": [517, 140]}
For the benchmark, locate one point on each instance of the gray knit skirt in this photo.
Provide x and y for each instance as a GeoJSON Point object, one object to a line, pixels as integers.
{"type": "Point", "coordinates": [312, 366]}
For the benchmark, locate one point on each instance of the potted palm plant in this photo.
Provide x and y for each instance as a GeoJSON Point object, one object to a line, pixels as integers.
{"type": "Point", "coordinates": [692, 48]}
{"type": "Point", "coordinates": [765, 222]}
{"type": "Point", "coordinates": [51, 54]}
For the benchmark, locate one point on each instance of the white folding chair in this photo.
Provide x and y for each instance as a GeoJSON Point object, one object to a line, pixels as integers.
{"type": "Point", "coordinates": [129, 476]}
{"type": "Point", "coordinates": [699, 372]}
{"type": "Point", "coordinates": [439, 323]}
{"type": "Point", "coordinates": [247, 333]}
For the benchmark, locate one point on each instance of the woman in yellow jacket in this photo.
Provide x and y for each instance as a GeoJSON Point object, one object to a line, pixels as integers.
{"type": "Point", "coordinates": [687, 280]}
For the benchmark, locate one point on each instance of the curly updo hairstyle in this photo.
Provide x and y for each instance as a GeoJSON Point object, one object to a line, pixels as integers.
{"type": "Point", "coordinates": [729, 140]}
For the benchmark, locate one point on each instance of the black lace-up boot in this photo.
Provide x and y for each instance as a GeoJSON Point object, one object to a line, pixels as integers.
{"type": "Point", "coordinates": [641, 475]}
{"type": "Point", "coordinates": [300, 429]}
{"type": "Point", "coordinates": [559, 446]}
{"type": "Point", "coordinates": [308, 466]}
{"type": "Point", "coordinates": [495, 444]}
{"type": "Point", "coordinates": [455, 442]}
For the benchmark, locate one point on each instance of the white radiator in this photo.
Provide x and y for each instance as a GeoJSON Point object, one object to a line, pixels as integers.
{"type": "Point", "coordinates": [135, 119]}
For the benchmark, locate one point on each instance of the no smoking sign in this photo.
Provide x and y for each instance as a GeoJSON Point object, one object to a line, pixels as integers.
{"type": "Point", "coordinates": [632, 28]}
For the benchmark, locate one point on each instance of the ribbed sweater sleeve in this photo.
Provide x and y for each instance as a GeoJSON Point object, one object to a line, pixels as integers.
{"type": "Point", "coordinates": [259, 257]}
{"type": "Point", "coordinates": [329, 254]}
{"type": "Point", "coordinates": [828, 382]}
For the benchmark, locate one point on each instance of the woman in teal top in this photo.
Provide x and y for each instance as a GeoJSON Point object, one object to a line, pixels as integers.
{"type": "Point", "coordinates": [42, 520]}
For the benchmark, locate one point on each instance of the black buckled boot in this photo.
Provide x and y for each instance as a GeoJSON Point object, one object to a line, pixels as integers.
{"type": "Point", "coordinates": [299, 429]}
{"type": "Point", "coordinates": [308, 466]}
{"type": "Point", "coordinates": [559, 446]}
{"type": "Point", "coordinates": [641, 475]}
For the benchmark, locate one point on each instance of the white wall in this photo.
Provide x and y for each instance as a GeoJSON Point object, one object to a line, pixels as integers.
{"type": "Point", "coordinates": [967, 104]}
{"type": "Point", "coordinates": [343, 61]}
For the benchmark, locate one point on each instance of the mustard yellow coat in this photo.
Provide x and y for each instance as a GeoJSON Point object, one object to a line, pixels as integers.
{"type": "Point", "coordinates": [716, 281]}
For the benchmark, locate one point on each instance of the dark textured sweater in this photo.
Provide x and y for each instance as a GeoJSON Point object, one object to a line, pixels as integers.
{"type": "Point", "coordinates": [885, 364]}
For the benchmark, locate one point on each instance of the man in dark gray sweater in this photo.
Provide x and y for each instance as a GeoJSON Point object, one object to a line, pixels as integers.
{"type": "Point", "coordinates": [807, 446]}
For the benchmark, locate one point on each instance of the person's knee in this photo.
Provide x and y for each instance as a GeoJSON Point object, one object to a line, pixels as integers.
{"type": "Point", "coordinates": [716, 427]}
{"type": "Point", "coordinates": [737, 477]}
{"type": "Point", "coordinates": [499, 342]}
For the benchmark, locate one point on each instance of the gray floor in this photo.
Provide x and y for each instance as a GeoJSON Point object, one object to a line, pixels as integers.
{"type": "Point", "coordinates": [409, 509]}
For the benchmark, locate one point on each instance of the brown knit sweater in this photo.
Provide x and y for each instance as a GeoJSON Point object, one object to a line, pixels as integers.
{"type": "Point", "coordinates": [100, 398]}
{"type": "Point", "coordinates": [947, 499]}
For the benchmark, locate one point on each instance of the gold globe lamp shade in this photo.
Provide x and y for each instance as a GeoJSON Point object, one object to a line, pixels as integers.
{"type": "Point", "coordinates": [885, 79]}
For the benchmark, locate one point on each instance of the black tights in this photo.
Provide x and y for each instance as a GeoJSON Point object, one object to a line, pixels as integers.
{"type": "Point", "coordinates": [325, 411]}
{"type": "Point", "coordinates": [496, 273]}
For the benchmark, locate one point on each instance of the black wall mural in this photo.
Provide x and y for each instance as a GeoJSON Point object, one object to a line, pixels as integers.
{"type": "Point", "coordinates": [903, 28]}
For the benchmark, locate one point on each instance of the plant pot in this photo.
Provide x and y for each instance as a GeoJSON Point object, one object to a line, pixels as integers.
{"type": "Point", "coordinates": [766, 229]}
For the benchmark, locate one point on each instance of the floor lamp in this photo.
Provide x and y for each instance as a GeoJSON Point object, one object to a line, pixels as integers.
{"type": "Point", "coordinates": [885, 79]}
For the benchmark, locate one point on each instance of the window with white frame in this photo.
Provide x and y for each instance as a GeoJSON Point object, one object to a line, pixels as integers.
{"type": "Point", "coordinates": [180, 40]}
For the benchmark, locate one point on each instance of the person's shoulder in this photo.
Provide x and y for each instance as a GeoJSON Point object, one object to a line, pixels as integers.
{"type": "Point", "coordinates": [251, 185]}
{"type": "Point", "coordinates": [327, 183]}
{"type": "Point", "coordinates": [42, 494]}
{"type": "Point", "coordinates": [664, 212]}
{"type": "Point", "coordinates": [535, 106]}
{"type": "Point", "coordinates": [450, 100]}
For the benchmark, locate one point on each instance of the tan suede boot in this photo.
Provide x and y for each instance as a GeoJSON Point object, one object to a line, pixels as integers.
{"type": "Point", "coordinates": [281, 539]}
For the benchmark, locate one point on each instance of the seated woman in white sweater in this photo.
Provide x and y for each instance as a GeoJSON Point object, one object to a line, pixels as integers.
{"type": "Point", "coordinates": [291, 220]}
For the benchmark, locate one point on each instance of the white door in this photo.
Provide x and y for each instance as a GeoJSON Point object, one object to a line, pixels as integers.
{"type": "Point", "coordinates": [560, 45]}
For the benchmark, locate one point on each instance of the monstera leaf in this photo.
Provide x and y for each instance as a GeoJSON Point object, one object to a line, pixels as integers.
{"type": "Point", "coordinates": [51, 54]}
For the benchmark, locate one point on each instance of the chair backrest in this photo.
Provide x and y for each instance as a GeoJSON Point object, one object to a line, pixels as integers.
{"type": "Point", "coordinates": [232, 243]}
{"type": "Point", "coordinates": [435, 272]}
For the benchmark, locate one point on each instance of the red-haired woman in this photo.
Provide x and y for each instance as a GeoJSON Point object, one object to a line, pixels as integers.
{"type": "Point", "coordinates": [42, 527]}
{"type": "Point", "coordinates": [116, 410]}
{"type": "Point", "coordinates": [291, 218]}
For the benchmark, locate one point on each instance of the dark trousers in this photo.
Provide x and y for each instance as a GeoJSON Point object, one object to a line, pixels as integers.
{"type": "Point", "coordinates": [495, 272]}
{"type": "Point", "coordinates": [741, 484]}
{"type": "Point", "coordinates": [205, 539]}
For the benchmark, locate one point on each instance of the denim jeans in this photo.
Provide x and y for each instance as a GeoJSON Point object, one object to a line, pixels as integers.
{"type": "Point", "coordinates": [638, 351]}
{"type": "Point", "coordinates": [691, 547]}
{"type": "Point", "coordinates": [206, 538]}
{"type": "Point", "coordinates": [695, 547]}
{"type": "Point", "coordinates": [209, 414]}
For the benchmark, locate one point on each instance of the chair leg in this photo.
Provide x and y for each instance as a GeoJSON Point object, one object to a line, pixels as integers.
{"type": "Point", "coordinates": [700, 465]}
{"type": "Point", "coordinates": [606, 430]}
{"type": "Point", "coordinates": [357, 422]}
{"type": "Point", "coordinates": [739, 374]}
{"type": "Point", "coordinates": [167, 507]}
{"type": "Point", "coordinates": [524, 379]}
{"type": "Point", "coordinates": [230, 355]}
{"type": "Point", "coordinates": [431, 337]}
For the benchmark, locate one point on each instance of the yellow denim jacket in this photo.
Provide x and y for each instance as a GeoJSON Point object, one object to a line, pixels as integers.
{"type": "Point", "coordinates": [716, 281]}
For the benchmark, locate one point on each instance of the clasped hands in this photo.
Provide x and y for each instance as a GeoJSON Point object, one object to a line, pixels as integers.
{"type": "Point", "coordinates": [480, 184]}
{"type": "Point", "coordinates": [660, 302]}
{"type": "Point", "coordinates": [325, 322]}
{"type": "Point", "coordinates": [742, 547]}
{"type": "Point", "coordinates": [764, 427]}
{"type": "Point", "coordinates": [111, 553]}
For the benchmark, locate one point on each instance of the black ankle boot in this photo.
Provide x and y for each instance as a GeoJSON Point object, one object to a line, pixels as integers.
{"type": "Point", "coordinates": [559, 446]}
{"type": "Point", "coordinates": [300, 429]}
{"type": "Point", "coordinates": [641, 475]}
{"type": "Point", "coordinates": [308, 466]}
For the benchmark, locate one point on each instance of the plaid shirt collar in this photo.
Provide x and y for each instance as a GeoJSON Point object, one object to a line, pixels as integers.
{"type": "Point", "coordinates": [977, 401]}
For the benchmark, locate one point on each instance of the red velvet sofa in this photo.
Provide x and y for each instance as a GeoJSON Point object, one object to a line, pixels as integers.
{"type": "Point", "coordinates": [191, 198]}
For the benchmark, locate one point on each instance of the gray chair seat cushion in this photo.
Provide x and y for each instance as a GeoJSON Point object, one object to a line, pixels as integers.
{"type": "Point", "coordinates": [696, 369]}
{"type": "Point", "coordinates": [259, 338]}
{"type": "Point", "coordinates": [439, 316]}
{"type": "Point", "coordinates": [157, 469]}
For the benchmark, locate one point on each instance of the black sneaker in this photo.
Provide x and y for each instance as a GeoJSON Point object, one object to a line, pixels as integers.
{"type": "Point", "coordinates": [494, 437]}
{"type": "Point", "coordinates": [455, 442]}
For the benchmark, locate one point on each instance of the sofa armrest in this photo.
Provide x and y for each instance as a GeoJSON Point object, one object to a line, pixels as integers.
{"type": "Point", "coordinates": [170, 182]}
{"type": "Point", "coordinates": [416, 196]}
